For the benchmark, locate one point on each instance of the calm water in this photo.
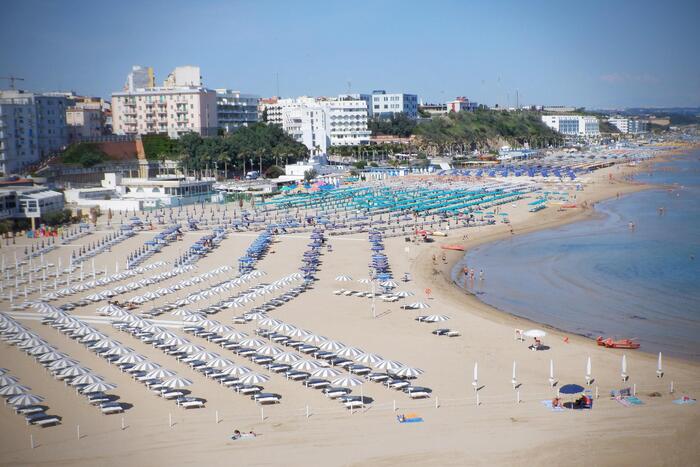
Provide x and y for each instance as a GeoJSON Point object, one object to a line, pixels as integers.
{"type": "Point", "coordinates": [598, 277]}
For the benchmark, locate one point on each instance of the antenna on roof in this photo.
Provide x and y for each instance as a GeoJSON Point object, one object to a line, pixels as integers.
{"type": "Point", "coordinates": [12, 80]}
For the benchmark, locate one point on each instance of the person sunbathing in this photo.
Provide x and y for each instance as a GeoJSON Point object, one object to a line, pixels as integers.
{"type": "Point", "coordinates": [556, 402]}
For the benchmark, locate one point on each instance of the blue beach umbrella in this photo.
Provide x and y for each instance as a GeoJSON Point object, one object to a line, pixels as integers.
{"type": "Point", "coordinates": [571, 389]}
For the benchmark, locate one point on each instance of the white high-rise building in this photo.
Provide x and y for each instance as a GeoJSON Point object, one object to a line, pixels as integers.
{"type": "Point", "coordinates": [629, 125]}
{"type": "Point", "coordinates": [320, 123]}
{"type": "Point", "coordinates": [32, 127]}
{"type": "Point", "coordinates": [573, 125]}
{"type": "Point", "coordinates": [235, 110]}
{"type": "Point", "coordinates": [172, 109]}
{"type": "Point", "coordinates": [386, 105]}
{"type": "Point", "coordinates": [184, 76]}
{"type": "Point", "coordinates": [140, 78]}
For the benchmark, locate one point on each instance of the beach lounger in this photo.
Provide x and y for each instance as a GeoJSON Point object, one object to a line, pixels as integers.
{"type": "Point", "coordinates": [190, 403]}
{"type": "Point", "coordinates": [170, 395]}
{"type": "Point", "coordinates": [29, 409]}
{"type": "Point", "coordinates": [110, 408]}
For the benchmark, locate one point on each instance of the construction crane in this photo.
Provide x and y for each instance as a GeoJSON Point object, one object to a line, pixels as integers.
{"type": "Point", "coordinates": [12, 80]}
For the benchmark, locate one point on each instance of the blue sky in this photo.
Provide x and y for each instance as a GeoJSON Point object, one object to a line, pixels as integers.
{"type": "Point", "coordinates": [590, 53]}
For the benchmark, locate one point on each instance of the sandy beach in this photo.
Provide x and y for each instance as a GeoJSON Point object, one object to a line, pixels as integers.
{"type": "Point", "coordinates": [308, 428]}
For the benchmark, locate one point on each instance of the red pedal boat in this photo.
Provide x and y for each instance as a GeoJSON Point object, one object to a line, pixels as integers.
{"type": "Point", "coordinates": [619, 344]}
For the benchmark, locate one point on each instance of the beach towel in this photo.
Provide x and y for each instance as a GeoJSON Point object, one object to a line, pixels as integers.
{"type": "Point", "coordinates": [409, 418]}
{"type": "Point", "coordinates": [684, 401]}
{"type": "Point", "coordinates": [548, 404]}
{"type": "Point", "coordinates": [634, 400]}
{"type": "Point", "coordinates": [623, 401]}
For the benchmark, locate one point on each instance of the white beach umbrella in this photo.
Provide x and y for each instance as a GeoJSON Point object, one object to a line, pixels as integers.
{"type": "Point", "coordinates": [25, 399]}
{"type": "Point", "coordinates": [408, 372]}
{"type": "Point", "coordinates": [73, 371]}
{"type": "Point", "coordinates": [305, 365]}
{"type": "Point", "coordinates": [256, 316]}
{"type": "Point", "coordinates": [404, 294]}
{"type": "Point", "coordinates": [269, 322]}
{"type": "Point", "coordinates": [220, 329]}
{"type": "Point", "coordinates": [365, 281]}
{"type": "Point", "coordinates": [13, 389]}
{"type": "Point", "coordinates": [235, 370]}
{"type": "Point", "coordinates": [235, 335]}
{"type": "Point", "coordinates": [204, 355]}
{"type": "Point", "coordinates": [326, 373]}
{"type": "Point", "coordinates": [176, 382]}
{"type": "Point", "coordinates": [219, 362]}
{"type": "Point", "coordinates": [6, 380]}
{"type": "Point", "coordinates": [145, 366]}
{"type": "Point", "coordinates": [369, 359]}
{"type": "Point", "coordinates": [62, 363]}
{"type": "Point", "coordinates": [534, 333]}
{"type": "Point", "coordinates": [436, 318]}
{"type": "Point", "coordinates": [418, 306]}
{"type": "Point", "coordinates": [51, 357]}
{"type": "Point", "coordinates": [41, 349]}
{"type": "Point", "coordinates": [343, 278]}
{"type": "Point", "coordinates": [297, 333]}
{"type": "Point", "coordinates": [99, 387]}
{"type": "Point", "coordinates": [269, 350]}
{"type": "Point", "coordinates": [208, 323]}
{"type": "Point", "coordinates": [284, 328]}
{"type": "Point", "coordinates": [389, 365]}
{"type": "Point", "coordinates": [87, 378]}
{"type": "Point", "coordinates": [252, 342]}
{"type": "Point", "coordinates": [287, 357]}
{"type": "Point", "coordinates": [253, 378]}
{"type": "Point", "coordinates": [131, 358]}
{"type": "Point", "coordinates": [350, 352]}
{"type": "Point", "coordinates": [332, 346]}
{"type": "Point", "coordinates": [314, 339]}
{"type": "Point", "coordinates": [160, 373]}
{"type": "Point", "coordinates": [389, 284]}
{"type": "Point", "coordinates": [177, 341]}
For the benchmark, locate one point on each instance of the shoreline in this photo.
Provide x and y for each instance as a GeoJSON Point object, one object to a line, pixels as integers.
{"type": "Point", "coordinates": [594, 193]}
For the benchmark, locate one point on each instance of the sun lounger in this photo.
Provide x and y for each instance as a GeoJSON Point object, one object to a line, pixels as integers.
{"type": "Point", "coordinates": [191, 404]}
{"type": "Point", "coordinates": [111, 408]}
{"type": "Point", "coordinates": [29, 409]}
{"type": "Point", "coordinates": [169, 395]}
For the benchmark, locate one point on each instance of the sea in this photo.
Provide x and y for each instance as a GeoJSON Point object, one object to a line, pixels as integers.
{"type": "Point", "coordinates": [602, 277]}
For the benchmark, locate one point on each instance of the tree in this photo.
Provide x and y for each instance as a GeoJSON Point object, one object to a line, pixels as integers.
{"type": "Point", "coordinates": [398, 124]}
{"type": "Point", "coordinates": [310, 175]}
{"type": "Point", "coordinates": [360, 164]}
{"type": "Point", "coordinates": [84, 154]}
{"type": "Point", "coordinates": [274, 172]}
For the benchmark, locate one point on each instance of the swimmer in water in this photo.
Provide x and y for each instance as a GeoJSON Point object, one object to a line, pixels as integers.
{"type": "Point", "coordinates": [631, 225]}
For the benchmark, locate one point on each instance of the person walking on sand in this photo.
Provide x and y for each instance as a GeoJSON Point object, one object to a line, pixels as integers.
{"type": "Point", "coordinates": [481, 274]}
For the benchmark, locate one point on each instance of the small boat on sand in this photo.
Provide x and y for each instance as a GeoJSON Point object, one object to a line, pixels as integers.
{"type": "Point", "coordinates": [617, 344]}
{"type": "Point", "coordinates": [453, 247]}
